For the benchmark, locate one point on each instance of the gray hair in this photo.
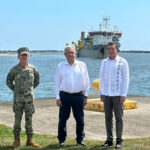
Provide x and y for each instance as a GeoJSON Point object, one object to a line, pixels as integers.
{"type": "Point", "coordinates": [69, 46]}
{"type": "Point", "coordinates": [113, 43]}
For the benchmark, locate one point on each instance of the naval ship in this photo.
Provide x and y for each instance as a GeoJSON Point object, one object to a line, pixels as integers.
{"type": "Point", "coordinates": [95, 44]}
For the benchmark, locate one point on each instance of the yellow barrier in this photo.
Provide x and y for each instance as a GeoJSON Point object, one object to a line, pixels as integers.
{"type": "Point", "coordinates": [97, 105]}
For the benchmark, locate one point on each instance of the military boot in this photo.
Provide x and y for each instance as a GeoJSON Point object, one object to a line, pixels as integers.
{"type": "Point", "coordinates": [16, 141]}
{"type": "Point", "coordinates": [30, 142]}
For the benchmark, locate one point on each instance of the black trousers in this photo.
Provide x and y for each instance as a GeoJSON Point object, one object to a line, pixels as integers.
{"type": "Point", "coordinates": [113, 104]}
{"type": "Point", "coordinates": [76, 102]}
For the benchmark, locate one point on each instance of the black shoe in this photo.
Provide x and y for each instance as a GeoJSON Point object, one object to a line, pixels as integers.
{"type": "Point", "coordinates": [61, 143]}
{"type": "Point", "coordinates": [107, 144]}
{"type": "Point", "coordinates": [81, 143]}
{"type": "Point", "coordinates": [118, 145]}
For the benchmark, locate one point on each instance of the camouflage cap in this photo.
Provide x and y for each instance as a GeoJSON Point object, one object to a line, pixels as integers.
{"type": "Point", "coordinates": [23, 50]}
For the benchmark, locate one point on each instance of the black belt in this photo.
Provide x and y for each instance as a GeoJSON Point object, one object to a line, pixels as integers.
{"type": "Point", "coordinates": [72, 94]}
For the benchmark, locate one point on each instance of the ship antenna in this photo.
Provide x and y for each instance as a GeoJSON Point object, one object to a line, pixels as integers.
{"type": "Point", "coordinates": [100, 27]}
{"type": "Point", "coordinates": [92, 28]}
{"type": "Point", "coordinates": [106, 22]}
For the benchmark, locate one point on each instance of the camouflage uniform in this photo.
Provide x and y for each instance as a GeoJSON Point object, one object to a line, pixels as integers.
{"type": "Point", "coordinates": [22, 81]}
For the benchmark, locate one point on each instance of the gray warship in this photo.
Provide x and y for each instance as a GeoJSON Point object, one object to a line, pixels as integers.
{"type": "Point", "coordinates": [95, 44]}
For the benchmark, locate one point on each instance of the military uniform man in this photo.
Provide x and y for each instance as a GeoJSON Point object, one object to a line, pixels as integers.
{"type": "Point", "coordinates": [22, 79]}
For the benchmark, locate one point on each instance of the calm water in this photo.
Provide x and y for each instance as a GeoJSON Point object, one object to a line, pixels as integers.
{"type": "Point", "coordinates": [46, 64]}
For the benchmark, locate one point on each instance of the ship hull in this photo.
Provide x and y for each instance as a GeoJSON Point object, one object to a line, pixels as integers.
{"type": "Point", "coordinates": [98, 51]}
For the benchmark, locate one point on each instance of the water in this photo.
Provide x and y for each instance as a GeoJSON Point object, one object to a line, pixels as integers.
{"type": "Point", "coordinates": [46, 64]}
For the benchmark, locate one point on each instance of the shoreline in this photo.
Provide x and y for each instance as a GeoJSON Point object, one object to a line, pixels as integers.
{"type": "Point", "coordinates": [91, 95]}
{"type": "Point", "coordinates": [45, 119]}
{"type": "Point", "coordinates": [11, 52]}
{"type": "Point", "coordinates": [6, 55]}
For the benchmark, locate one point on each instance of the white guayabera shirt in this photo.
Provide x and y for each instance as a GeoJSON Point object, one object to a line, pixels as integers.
{"type": "Point", "coordinates": [71, 78]}
{"type": "Point", "coordinates": [114, 77]}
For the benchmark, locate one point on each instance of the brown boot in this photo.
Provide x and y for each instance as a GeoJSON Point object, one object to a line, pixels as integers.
{"type": "Point", "coordinates": [16, 141]}
{"type": "Point", "coordinates": [30, 142]}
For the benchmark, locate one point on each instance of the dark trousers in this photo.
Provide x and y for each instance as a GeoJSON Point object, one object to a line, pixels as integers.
{"type": "Point", "coordinates": [113, 104]}
{"type": "Point", "coordinates": [76, 102]}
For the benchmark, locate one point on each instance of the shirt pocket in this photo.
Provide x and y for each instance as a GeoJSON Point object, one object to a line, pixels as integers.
{"type": "Point", "coordinates": [65, 73]}
{"type": "Point", "coordinates": [79, 73]}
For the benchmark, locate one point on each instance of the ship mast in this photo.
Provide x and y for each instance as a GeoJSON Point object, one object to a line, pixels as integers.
{"type": "Point", "coordinates": [100, 27]}
{"type": "Point", "coordinates": [106, 23]}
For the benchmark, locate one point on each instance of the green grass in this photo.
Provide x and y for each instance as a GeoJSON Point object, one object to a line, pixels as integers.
{"type": "Point", "coordinates": [49, 142]}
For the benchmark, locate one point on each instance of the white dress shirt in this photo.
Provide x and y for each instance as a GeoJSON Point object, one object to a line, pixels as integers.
{"type": "Point", "coordinates": [71, 78]}
{"type": "Point", "coordinates": [114, 77]}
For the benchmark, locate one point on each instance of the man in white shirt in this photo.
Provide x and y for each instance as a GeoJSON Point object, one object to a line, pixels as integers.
{"type": "Point", "coordinates": [71, 89]}
{"type": "Point", "coordinates": [113, 83]}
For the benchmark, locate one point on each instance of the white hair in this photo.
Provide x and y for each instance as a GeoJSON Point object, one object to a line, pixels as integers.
{"type": "Point", "coordinates": [69, 46]}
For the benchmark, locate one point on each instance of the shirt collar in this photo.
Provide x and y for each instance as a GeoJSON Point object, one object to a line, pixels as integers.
{"type": "Point", "coordinates": [66, 62]}
{"type": "Point", "coordinates": [22, 67]}
{"type": "Point", "coordinates": [117, 57]}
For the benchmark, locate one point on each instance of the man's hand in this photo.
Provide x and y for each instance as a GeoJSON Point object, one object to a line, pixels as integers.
{"type": "Point", "coordinates": [101, 98]}
{"type": "Point", "coordinates": [59, 103]}
{"type": "Point", "coordinates": [85, 101]}
{"type": "Point", "coordinates": [122, 99]}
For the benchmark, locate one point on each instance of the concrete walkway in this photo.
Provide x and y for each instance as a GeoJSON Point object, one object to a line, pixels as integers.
{"type": "Point", "coordinates": [45, 120]}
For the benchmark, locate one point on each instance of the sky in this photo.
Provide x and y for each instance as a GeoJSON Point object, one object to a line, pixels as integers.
{"type": "Point", "coordinates": [50, 24]}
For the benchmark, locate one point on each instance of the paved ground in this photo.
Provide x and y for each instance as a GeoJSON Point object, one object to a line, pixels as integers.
{"type": "Point", "coordinates": [45, 120]}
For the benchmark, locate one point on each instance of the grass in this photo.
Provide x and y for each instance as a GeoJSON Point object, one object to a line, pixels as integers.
{"type": "Point", "coordinates": [49, 142]}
